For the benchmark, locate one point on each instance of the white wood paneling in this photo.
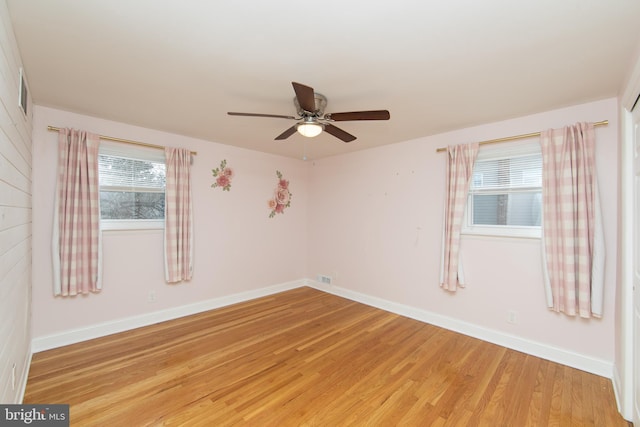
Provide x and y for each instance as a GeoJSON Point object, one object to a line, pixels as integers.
{"type": "Point", "coordinates": [15, 221]}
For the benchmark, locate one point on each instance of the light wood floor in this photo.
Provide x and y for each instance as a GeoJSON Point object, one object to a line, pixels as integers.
{"type": "Point", "coordinates": [306, 358]}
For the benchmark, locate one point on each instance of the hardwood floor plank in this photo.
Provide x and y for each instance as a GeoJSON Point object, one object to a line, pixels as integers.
{"type": "Point", "coordinates": [494, 413]}
{"type": "Point", "coordinates": [485, 373]}
{"type": "Point", "coordinates": [566, 418]}
{"type": "Point", "coordinates": [523, 391]}
{"type": "Point", "coordinates": [306, 358]}
{"type": "Point", "coordinates": [537, 408]}
{"type": "Point", "coordinates": [588, 411]}
{"type": "Point", "coordinates": [577, 404]}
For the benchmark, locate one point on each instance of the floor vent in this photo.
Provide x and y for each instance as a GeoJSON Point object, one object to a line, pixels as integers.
{"type": "Point", "coordinates": [324, 279]}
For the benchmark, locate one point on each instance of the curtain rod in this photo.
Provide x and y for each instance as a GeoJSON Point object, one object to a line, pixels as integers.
{"type": "Point", "coordinates": [514, 137]}
{"type": "Point", "coordinates": [126, 141]}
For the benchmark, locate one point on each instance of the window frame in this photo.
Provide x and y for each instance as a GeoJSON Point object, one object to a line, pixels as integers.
{"type": "Point", "coordinates": [496, 152]}
{"type": "Point", "coordinates": [110, 148]}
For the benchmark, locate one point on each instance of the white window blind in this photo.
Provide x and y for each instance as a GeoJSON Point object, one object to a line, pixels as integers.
{"type": "Point", "coordinates": [127, 174]}
{"type": "Point", "coordinates": [505, 196]}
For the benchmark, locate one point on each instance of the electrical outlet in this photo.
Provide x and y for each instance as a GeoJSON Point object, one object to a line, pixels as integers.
{"type": "Point", "coordinates": [152, 297]}
{"type": "Point", "coordinates": [512, 317]}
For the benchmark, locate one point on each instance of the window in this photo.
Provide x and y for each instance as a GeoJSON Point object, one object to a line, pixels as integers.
{"type": "Point", "coordinates": [505, 196]}
{"type": "Point", "coordinates": [132, 184]}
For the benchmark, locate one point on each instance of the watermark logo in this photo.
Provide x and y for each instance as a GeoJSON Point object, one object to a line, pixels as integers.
{"type": "Point", "coordinates": [34, 415]}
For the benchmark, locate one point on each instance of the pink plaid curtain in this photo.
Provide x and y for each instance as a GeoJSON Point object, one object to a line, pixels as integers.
{"type": "Point", "coordinates": [178, 229]}
{"type": "Point", "coordinates": [76, 230]}
{"type": "Point", "coordinates": [573, 247]}
{"type": "Point", "coordinates": [459, 171]}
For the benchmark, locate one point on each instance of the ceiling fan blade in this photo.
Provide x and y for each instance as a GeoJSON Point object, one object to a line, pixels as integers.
{"type": "Point", "coordinates": [287, 133]}
{"type": "Point", "coordinates": [359, 115]}
{"type": "Point", "coordinates": [232, 113]}
{"type": "Point", "coordinates": [306, 96]}
{"type": "Point", "coordinates": [338, 133]}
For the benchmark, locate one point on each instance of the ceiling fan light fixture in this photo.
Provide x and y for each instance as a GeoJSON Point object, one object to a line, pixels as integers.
{"type": "Point", "coordinates": [309, 129]}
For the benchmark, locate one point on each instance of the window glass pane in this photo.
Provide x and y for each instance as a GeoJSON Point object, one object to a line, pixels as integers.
{"type": "Point", "coordinates": [486, 209]}
{"type": "Point", "coordinates": [509, 209]}
{"type": "Point", "coordinates": [131, 205]}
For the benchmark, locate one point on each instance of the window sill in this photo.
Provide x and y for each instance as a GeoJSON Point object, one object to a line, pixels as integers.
{"type": "Point", "coordinates": [126, 224]}
{"type": "Point", "coordinates": [514, 232]}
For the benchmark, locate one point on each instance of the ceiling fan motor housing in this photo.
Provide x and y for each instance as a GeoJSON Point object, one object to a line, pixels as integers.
{"type": "Point", "coordinates": [321, 104]}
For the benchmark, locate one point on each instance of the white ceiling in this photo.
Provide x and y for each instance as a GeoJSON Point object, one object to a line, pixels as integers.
{"type": "Point", "coordinates": [180, 65]}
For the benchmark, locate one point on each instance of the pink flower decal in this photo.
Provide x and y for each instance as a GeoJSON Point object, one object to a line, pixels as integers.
{"type": "Point", "coordinates": [281, 198]}
{"type": "Point", "coordinates": [223, 181]}
{"type": "Point", "coordinates": [223, 176]}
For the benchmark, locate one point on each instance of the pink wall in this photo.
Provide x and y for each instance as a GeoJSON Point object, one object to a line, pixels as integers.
{"type": "Point", "coordinates": [237, 247]}
{"type": "Point", "coordinates": [375, 221]}
{"type": "Point", "coordinates": [370, 219]}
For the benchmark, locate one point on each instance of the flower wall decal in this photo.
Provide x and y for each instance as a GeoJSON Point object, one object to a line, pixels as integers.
{"type": "Point", "coordinates": [223, 176]}
{"type": "Point", "coordinates": [281, 197]}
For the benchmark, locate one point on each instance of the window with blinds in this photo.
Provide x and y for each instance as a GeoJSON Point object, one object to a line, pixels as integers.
{"type": "Point", "coordinates": [505, 196]}
{"type": "Point", "coordinates": [132, 186]}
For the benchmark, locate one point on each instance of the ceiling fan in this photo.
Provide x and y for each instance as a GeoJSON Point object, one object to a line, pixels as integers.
{"type": "Point", "coordinates": [312, 119]}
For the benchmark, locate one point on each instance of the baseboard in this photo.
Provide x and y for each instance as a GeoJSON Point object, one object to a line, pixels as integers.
{"type": "Point", "coordinates": [625, 405]}
{"type": "Point", "coordinates": [107, 328]}
{"type": "Point", "coordinates": [24, 376]}
{"type": "Point", "coordinates": [545, 351]}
